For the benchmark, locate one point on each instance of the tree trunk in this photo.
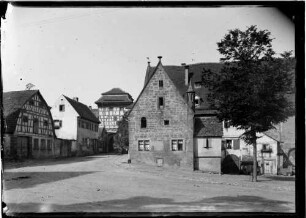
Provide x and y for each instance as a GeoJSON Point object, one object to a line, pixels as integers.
{"type": "Point", "coordinates": [254, 178]}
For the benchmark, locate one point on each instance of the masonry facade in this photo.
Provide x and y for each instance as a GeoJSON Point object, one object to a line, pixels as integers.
{"type": "Point", "coordinates": [29, 130]}
{"type": "Point", "coordinates": [161, 125]}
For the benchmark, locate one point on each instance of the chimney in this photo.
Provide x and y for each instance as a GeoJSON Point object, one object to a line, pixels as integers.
{"type": "Point", "coordinates": [90, 107]}
{"type": "Point", "coordinates": [186, 75]}
{"type": "Point", "coordinates": [76, 98]}
{"type": "Point", "coordinates": [159, 57]}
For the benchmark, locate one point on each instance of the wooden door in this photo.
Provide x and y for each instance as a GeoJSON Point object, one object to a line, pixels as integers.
{"type": "Point", "coordinates": [268, 167]}
{"type": "Point", "coordinates": [22, 147]}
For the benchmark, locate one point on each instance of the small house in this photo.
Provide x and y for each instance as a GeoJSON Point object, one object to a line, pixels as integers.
{"type": "Point", "coordinates": [76, 122]}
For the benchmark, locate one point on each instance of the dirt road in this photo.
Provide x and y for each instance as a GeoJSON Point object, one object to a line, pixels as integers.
{"type": "Point", "coordinates": [107, 183]}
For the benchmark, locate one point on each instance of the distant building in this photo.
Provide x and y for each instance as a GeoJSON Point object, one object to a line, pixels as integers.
{"type": "Point", "coordinates": [28, 129]}
{"type": "Point", "coordinates": [171, 122]}
{"type": "Point", "coordinates": [274, 148]}
{"type": "Point", "coordinates": [111, 107]}
{"type": "Point", "coordinates": [75, 121]}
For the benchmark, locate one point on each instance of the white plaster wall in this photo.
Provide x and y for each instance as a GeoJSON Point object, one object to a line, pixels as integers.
{"type": "Point", "coordinates": [231, 131]}
{"type": "Point", "coordinates": [68, 117]}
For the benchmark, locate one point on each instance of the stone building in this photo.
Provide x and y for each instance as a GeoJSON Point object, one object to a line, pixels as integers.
{"type": "Point", "coordinates": [28, 125]}
{"type": "Point", "coordinates": [172, 124]}
{"type": "Point", "coordinates": [75, 121]}
{"type": "Point", "coordinates": [111, 107]}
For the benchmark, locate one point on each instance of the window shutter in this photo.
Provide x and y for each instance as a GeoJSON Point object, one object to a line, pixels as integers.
{"type": "Point", "coordinates": [236, 144]}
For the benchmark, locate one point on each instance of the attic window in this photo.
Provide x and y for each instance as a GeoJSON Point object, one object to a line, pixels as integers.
{"type": "Point", "coordinates": [161, 83]}
{"type": "Point", "coordinates": [166, 122]}
{"type": "Point", "coordinates": [160, 102]}
{"type": "Point", "coordinates": [62, 107]}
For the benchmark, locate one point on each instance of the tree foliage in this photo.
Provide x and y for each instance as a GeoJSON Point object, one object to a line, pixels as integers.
{"type": "Point", "coordinates": [121, 138]}
{"type": "Point", "coordinates": [250, 91]}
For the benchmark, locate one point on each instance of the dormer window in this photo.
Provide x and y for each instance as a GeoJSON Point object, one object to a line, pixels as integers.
{"type": "Point", "coordinates": [161, 103]}
{"type": "Point", "coordinates": [143, 123]}
{"type": "Point", "coordinates": [161, 83]}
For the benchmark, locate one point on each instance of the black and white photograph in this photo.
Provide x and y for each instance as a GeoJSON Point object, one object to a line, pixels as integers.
{"type": "Point", "coordinates": [145, 109]}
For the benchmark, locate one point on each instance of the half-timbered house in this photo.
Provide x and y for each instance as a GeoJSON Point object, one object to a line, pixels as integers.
{"type": "Point", "coordinates": [112, 105]}
{"type": "Point", "coordinates": [29, 130]}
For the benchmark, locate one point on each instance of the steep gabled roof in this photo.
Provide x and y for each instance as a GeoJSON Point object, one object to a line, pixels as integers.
{"type": "Point", "coordinates": [95, 112]}
{"type": "Point", "coordinates": [12, 104]}
{"type": "Point", "coordinates": [177, 75]}
{"type": "Point", "coordinates": [83, 110]}
{"type": "Point", "coordinates": [13, 101]}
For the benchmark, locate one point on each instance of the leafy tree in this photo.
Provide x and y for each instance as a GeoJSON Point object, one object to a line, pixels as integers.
{"type": "Point", "coordinates": [250, 91]}
{"type": "Point", "coordinates": [121, 138]}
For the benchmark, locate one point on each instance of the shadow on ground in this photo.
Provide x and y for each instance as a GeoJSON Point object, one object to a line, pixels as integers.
{"type": "Point", "coordinates": [243, 203]}
{"type": "Point", "coordinates": [50, 161]}
{"type": "Point", "coordinates": [21, 180]}
{"type": "Point", "coordinates": [281, 178]}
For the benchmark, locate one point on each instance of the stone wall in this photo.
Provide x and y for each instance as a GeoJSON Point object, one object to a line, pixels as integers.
{"type": "Point", "coordinates": [180, 126]}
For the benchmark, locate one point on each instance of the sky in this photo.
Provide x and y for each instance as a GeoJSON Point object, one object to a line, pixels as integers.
{"type": "Point", "coordinates": [83, 52]}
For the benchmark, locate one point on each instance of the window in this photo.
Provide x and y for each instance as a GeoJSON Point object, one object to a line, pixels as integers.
{"type": "Point", "coordinates": [197, 101]}
{"type": "Point", "coordinates": [46, 123]}
{"type": "Point", "coordinates": [49, 145]}
{"type": "Point", "coordinates": [35, 125]}
{"type": "Point", "coordinates": [208, 143]}
{"type": "Point", "coordinates": [31, 102]}
{"type": "Point", "coordinates": [227, 124]}
{"type": "Point", "coordinates": [228, 144]}
{"type": "Point", "coordinates": [62, 107]}
{"type": "Point", "coordinates": [35, 144]}
{"type": "Point", "coordinates": [166, 122]}
{"type": "Point", "coordinates": [160, 102]}
{"type": "Point", "coordinates": [266, 148]}
{"type": "Point", "coordinates": [177, 145]}
{"type": "Point", "coordinates": [197, 85]}
{"type": "Point", "coordinates": [43, 144]}
{"type": "Point", "coordinates": [143, 145]}
{"type": "Point", "coordinates": [41, 104]}
{"type": "Point", "coordinates": [115, 118]}
{"type": "Point", "coordinates": [161, 83]}
{"type": "Point", "coordinates": [25, 119]}
{"type": "Point", "coordinates": [143, 122]}
{"type": "Point", "coordinates": [57, 124]}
